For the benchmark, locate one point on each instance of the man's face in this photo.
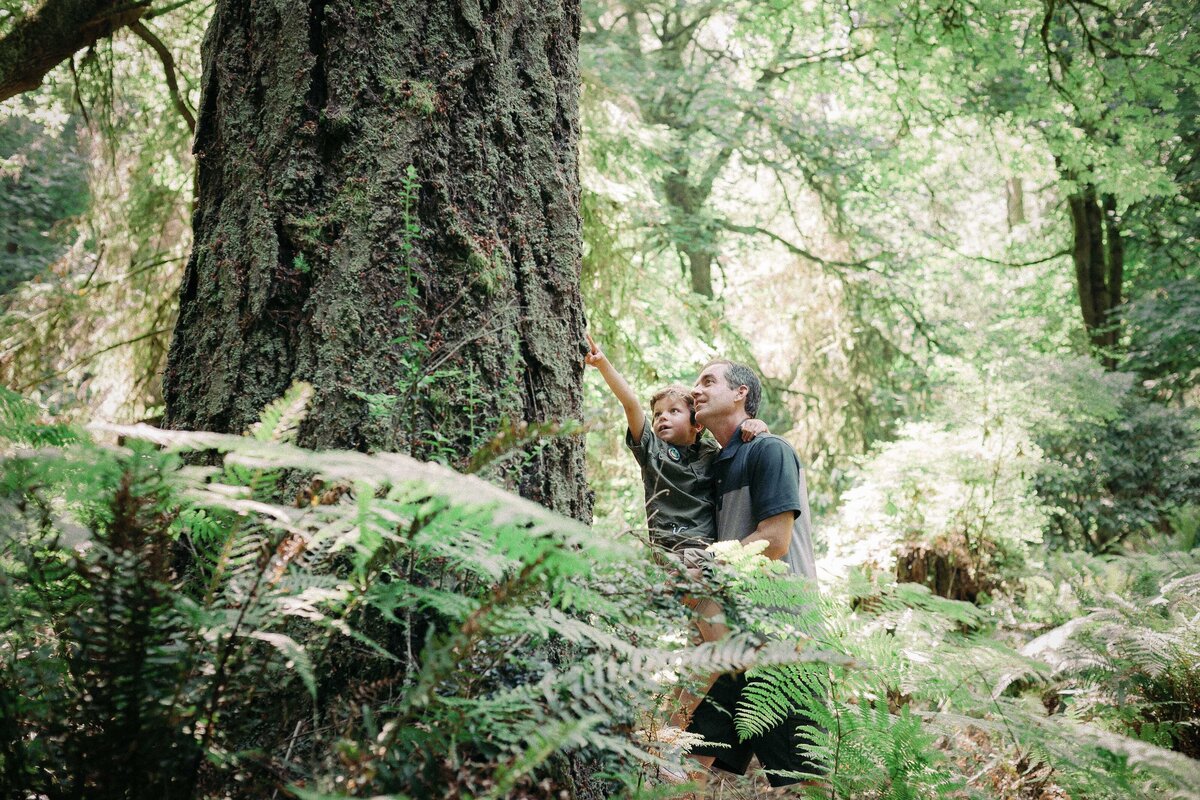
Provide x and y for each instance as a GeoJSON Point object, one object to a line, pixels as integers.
{"type": "Point", "coordinates": [715, 398]}
{"type": "Point", "coordinates": [673, 421]}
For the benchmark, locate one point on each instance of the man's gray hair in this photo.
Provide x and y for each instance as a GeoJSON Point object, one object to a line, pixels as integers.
{"type": "Point", "coordinates": [740, 375]}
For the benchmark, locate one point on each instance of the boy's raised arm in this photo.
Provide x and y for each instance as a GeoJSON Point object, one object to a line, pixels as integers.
{"type": "Point", "coordinates": [619, 386]}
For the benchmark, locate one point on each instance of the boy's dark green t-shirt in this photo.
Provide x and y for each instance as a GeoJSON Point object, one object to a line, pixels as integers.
{"type": "Point", "coordinates": [680, 509]}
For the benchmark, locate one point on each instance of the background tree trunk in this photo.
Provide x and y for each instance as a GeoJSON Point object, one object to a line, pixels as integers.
{"type": "Point", "coordinates": [691, 232]}
{"type": "Point", "coordinates": [1014, 193]}
{"type": "Point", "coordinates": [388, 208]}
{"type": "Point", "coordinates": [1098, 255]}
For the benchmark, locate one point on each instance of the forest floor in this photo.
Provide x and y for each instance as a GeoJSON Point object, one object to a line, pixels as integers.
{"type": "Point", "coordinates": [1001, 772]}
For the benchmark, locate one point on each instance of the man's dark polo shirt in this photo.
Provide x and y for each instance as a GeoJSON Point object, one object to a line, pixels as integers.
{"type": "Point", "coordinates": [759, 479]}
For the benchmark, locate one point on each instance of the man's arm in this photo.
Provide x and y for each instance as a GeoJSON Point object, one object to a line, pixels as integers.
{"type": "Point", "coordinates": [774, 480]}
{"type": "Point", "coordinates": [619, 386]}
{"type": "Point", "coordinates": [776, 531]}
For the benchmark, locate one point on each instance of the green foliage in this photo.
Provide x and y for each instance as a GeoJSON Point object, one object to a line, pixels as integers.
{"type": "Point", "coordinates": [21, 426]}
{"type": "Point", "coordinates": [1111, 480]}
{"type": "Point", "coordinates": [918, 697]}
{"type": "Point", "coordinates": [709, 146]}
{"type": "Point", "coordinates": [844, 169]}
{"type": "Point", "coordinates": [1129, 656]}
{"type": "Point", "coordinates": [1164, 338]}
{"type": "Point", "coordinates": [94, 636]}
{"type": "Point", "coordinates": [112, 159]}
{"type": "Point", "coordinates": [42, 187]}
{"type": "Point", "coordinates": [949, 503]}
{"type": "Point", "coordinates": [386, 635]}
{"type": "Point", "coordinates": [383, 635]}
{"type": "Point", "coordinates": [410, 195]}
{"type": "Point", "coordinates": [1021, 450]}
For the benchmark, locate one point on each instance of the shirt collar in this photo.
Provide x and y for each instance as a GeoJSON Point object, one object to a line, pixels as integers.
{"type": "Point", "coordinates": [730, 450]}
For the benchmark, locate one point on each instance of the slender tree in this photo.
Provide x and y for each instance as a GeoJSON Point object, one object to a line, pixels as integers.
{"type": "Point", "coordinates": [388, 208]}
{"type": "Point", "coordinates": [719, 79]}
{"type": "Point", "coordinates": [1109, 90]}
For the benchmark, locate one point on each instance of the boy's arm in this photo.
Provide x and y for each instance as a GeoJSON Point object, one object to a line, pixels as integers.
{"type": "Point", "coordinates": [753, 427]}
{"type": "Point", "coordinates": [619, 386]}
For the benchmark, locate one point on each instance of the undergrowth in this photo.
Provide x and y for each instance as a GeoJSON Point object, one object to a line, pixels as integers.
{"type": "Point", "coordinates": [400, 629]}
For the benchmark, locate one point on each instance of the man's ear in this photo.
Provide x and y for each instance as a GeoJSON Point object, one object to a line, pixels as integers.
{"type": "Point", "coordinates": [742, 391]}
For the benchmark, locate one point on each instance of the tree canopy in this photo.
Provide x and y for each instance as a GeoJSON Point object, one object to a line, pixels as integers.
{"type": "Point", "coordinates": [353, 246]}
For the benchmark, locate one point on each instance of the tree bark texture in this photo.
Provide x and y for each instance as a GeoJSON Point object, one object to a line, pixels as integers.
{"type": "Point", "coordinates": [1099, 257]}
{"type": "Point", "coordinates": [1014, 193]}
{"type": "Point", "coordinates": [388, 208]}
{"type": "Point", "coordinates": [55, 32]}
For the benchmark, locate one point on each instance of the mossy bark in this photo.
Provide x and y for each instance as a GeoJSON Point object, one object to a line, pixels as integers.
{"type": "Point", "coordinates": [53, 32]}
{"type": "Point", "coordinates": [388, 208]}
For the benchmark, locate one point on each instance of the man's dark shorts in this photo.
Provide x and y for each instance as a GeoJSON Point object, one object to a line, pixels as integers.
{"type": "Point", "coordinates": [777, 749]}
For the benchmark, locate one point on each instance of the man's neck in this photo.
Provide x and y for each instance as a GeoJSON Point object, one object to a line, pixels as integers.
{"type": "Point", "coordinates": [724, 430]}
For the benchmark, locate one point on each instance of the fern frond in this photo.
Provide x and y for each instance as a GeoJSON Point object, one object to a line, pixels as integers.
{"type": "Point", "coordinates": [296, 656]}
{"type": "Point", "coordinates": [540, 746]}
{"type": "Point", "coordinates": [280, 420]}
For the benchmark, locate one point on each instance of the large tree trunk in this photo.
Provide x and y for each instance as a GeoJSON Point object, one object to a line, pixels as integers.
{"type": "Point", "coordinates": [1099, 258]}
{"type": "Point", "coordinates": [388, 208]}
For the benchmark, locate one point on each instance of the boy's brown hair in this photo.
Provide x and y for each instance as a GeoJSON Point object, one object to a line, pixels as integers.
{"type": "Point", "coordinates": [676, 390]}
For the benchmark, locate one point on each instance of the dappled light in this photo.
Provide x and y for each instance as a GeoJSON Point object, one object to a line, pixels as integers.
{"type": "Point", "coordinates": [602, 399]}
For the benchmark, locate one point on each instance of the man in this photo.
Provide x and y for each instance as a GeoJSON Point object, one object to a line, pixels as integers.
{"type": "Point", "coordinates": [760, 488]}
{"type": "Point", "coordinates": [761, 496]}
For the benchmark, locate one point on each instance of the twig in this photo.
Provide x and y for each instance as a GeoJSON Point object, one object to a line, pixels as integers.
{"type": "Point", "coordinates": [997, 262]}
{"type": "Point", "coordinates": [287, 755]}
{"type": "Point", "coordinates": [78, 96]}
{"type": "Point", "coordinates": [754, 230]}
{"type": "Point", "coordinates": [168, 62]}
{"type": "Point", "coordinates": [158, 12]}
{"type": "Point", "coordinates": [84, 359]}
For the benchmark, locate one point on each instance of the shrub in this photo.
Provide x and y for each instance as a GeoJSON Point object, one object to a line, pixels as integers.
{"type": "Point", "coordinates": [1163, 344]}
{"type": "Point", "coordinates": [1106, 481]}
{"type": "Point", "coordinates": [951, 508]}
{"type": "Point", "coordinates": [1131, 658]}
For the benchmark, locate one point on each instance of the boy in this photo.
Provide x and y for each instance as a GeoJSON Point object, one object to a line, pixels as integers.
{"type": "Point", "coordinates": [676, 463]}
{"type": "Point", "coordinates": [680, 508]}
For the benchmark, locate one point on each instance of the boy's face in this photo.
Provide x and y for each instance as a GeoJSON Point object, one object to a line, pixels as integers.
{"type": "Point", "coordinates": [672, 421]}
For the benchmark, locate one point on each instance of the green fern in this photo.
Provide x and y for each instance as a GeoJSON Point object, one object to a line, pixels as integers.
{"type": "Point", "coordinates": [1134, 665]}
{"type": "Point", "coordinates": [280, 420]}
{"type": "Point", "coordinates": [392, 636]}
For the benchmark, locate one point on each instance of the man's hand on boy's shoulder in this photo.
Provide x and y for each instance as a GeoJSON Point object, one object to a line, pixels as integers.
{"type": "Point", "coordinates": [753, 427]}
